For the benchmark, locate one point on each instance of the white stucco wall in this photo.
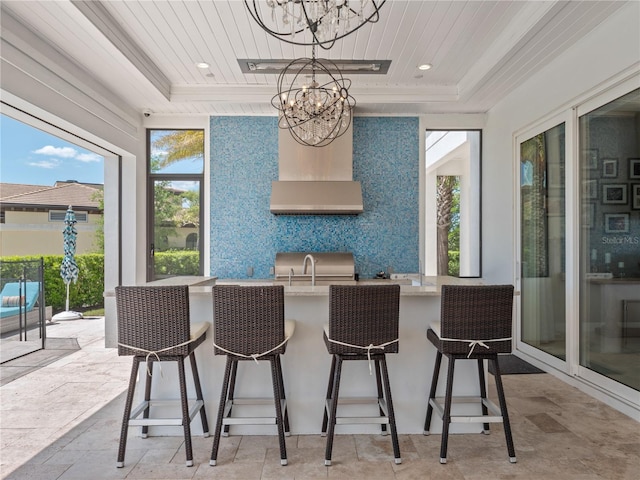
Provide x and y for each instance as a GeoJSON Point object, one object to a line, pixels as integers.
{"type": "Point", "coordinates": [611, 48]}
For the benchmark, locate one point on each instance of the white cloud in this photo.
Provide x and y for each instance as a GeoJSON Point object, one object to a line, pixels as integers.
{"type": "Point", "coordinates": [88, 157]}
{"type": "Point", "coordinates": [64, 152]}
{"type": "Point", "coordinates": [48, 164]}
{"type": "Point", "coordinates": [184, 185]}
{"type": "Point", "coordinates": [158, 152]}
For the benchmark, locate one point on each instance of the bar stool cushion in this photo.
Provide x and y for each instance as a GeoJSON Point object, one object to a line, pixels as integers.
{"type": "Point", "coordinates": [435, 326]}
{"type": "Point", "coordinates": [198, 329]}
{"type": "Point", "coordinates": [289, 328]}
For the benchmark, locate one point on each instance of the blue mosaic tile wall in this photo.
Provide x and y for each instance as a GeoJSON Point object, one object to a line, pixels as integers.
{"type": "Point", "coordinates": [244, 162]}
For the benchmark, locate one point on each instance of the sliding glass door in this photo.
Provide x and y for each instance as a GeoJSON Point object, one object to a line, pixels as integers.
{"type": "Point", "coordinates": [542, 241]}
{"type": "Point", "coordinates": [579, 243]}
{"type": "Point", "coordinates": [610, 244]}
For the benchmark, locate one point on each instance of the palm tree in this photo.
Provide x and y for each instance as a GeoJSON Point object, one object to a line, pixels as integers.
{"type": "Point", "coordinates": [534, 214]}
{"type": "Point", "coordinates": [444, 202]}
{"type": "Point", "coordinates": [179, 145]}
{"type": "Point", "coordinates": [174, 208]}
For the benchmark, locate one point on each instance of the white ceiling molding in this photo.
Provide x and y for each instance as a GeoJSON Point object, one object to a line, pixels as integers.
{"type": "Point", "coordinates": [105, 24]}
{"type": "Point", "coordinates": [142, 55]}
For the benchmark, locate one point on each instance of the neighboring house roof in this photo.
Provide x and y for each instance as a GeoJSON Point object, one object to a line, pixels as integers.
{"type": "Point", "coordinates": [80, 196]}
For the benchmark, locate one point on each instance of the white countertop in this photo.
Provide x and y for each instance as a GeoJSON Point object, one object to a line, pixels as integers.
{"type": "Point", "coordinates": [202, 285]}
{"type": "Point", "coordinates": [430, 285]}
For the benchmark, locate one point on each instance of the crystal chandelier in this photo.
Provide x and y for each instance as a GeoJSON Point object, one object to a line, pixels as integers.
{"type": "Point", "coordinates": [313, 22]}
{"type": "Point", "coordinates": [315, 113]}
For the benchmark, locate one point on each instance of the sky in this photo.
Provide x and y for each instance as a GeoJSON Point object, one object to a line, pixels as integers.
{"type": "Point", "coordinates": [31, 156]}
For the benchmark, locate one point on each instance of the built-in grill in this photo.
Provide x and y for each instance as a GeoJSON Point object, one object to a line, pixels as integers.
{"type": "Point", "coordinates": [330, 267]}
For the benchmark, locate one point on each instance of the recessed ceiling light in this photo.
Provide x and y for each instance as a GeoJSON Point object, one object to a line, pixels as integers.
{"type": "Point", "coordinates": [424, 66]}
{"type": "Point", "coordinates": [202, 65]}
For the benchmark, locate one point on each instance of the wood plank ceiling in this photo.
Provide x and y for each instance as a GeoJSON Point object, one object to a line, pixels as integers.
{"type": "Point", "coordinates": [144, 53]}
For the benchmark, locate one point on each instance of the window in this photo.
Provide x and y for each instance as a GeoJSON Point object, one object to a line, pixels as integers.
{"type": "Point", "coordinates": [175, 166]}
{"type": "Point", "coordinates": [58, 216]}
{"type": "Point", "coordinates": [452, 239]}
{"type": "Point", "coordinates": [192, 241]}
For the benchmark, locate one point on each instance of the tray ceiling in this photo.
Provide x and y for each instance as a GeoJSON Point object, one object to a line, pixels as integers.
{"type": "Point", "coordinates": [145, 53]}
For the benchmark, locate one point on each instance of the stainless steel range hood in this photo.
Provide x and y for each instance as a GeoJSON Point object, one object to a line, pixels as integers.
{"type": "Point", "coordinates": [316, 197]}
{"type": "Point", "coordinates": [316, 180]}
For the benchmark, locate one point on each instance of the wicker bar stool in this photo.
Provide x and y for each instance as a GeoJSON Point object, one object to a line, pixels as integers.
{"type": "Point", "coordinates": [249, 324]}
{"type": "Point", "coordinates": [154, 326]}
{"type": "Point", "coordinates": [475, 324]}
{"type": "Point", "coordinates": [363, 325]}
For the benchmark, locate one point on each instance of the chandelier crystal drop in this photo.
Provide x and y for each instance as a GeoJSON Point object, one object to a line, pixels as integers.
{"type": "Point", "coordinates": [316, 108]}
{"type": "Point", "coordinates": [313, 22]}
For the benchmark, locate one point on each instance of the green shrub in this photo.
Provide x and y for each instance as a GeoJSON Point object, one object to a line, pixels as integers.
{"type": "Point", "coordinates": [177, 262]}
{"type": "Point", "coordinates": [454, 263]}
{"type": "Point", "coordinates": [86, 292]}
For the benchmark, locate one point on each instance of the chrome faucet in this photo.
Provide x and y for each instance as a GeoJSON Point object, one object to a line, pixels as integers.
{"type": "Point", "coordinates": [313, 268]}
{"type": "Point", "coordinates": [291, 275]}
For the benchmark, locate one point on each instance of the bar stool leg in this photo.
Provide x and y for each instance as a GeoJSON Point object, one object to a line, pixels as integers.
{"type": "Point", "coordinates": [483, 394]}
{"type": "Point", "coordinates": [505, 413]}
{"type": "Point", "coordinates": [432, 393]}
{"type": "Point", "coordinates": [147, 395]}
{"type": "Point", "coordinates": [446, 417]}
{"type": "Point", "coordinates": [383, 426]}
{"type": "Point", "coordinates": [333, 404]}
{"type": "Point", "coordinates": [278, 405]}
{"type": "Point", "coordinates": [328, 397]}
{"type": "Point", "coordinates": [127, 412]}
{"type": "Point", "coordinates": [196, 381]}
{"type": "Point", "coordinates": [287, 430]}
{"type": "Point", "coordinates": [392, 416]}
{"type": "Point", "coordinates": [186, 420]}
{"type": "Point", "coordinates": [221, 407]}
{"type": "Point", "coordinates": [231, 393]}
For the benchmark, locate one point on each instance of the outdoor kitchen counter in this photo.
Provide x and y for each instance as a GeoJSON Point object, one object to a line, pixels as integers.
{"type": "Point", "coordinates": [408, 287]}
{"type": "Point", "coordinates": [306, 362]}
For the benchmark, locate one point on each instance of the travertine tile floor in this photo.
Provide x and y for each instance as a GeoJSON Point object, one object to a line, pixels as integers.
{"type": "Point", "coordinates": [62, 422]}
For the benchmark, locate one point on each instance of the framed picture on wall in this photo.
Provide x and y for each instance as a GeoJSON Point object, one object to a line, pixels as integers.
{"type": "Point", "coordinates": [635, 196]}
{"type": "Point", "coordinates": [609, 167]}
{"type": "Point", "coordinates": [616, 222]}
{"type": "Point", "coordinates": [590, 158]}
{"type": "Point", "coordinates": [614, 193]}
{"type": "Point", "coordinates": [590, 189]}
{"type": "Point", "coordinates": [634, 168]}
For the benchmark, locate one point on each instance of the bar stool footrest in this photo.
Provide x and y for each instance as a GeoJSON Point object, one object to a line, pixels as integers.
{"type": "Point", "coordinates": [251, 420]}
{"type": "Point", "coordinates": [438, 405]}
{"type": "Point", "coordinates": [134, 421]}
{"type": "Point", "coordinates": [346, 420]}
